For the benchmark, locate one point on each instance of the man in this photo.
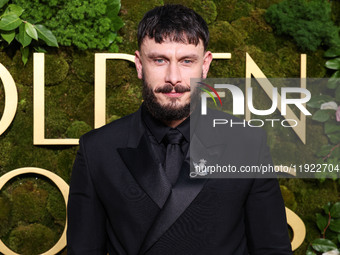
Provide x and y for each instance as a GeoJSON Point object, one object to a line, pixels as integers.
{"type": "Point", "coordinates": [128, 193]}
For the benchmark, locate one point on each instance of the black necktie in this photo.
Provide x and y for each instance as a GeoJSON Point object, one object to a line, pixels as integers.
{"type": "Point", "coordinates": [174, 155]}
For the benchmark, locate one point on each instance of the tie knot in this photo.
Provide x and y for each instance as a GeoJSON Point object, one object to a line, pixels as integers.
{"type": "Point", "coordinates": [173, 137]}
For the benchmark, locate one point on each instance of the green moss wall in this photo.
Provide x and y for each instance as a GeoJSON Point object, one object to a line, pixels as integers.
{"type": "Point", "coordinates": [32, 211]}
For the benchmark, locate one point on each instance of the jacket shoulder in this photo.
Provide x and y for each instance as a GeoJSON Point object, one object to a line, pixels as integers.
{"type": "Point", "coordinates": [115, 132]}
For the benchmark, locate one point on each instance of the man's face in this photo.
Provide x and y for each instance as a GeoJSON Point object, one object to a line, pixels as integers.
{"type": "Point", "coordinates": [166, 69]}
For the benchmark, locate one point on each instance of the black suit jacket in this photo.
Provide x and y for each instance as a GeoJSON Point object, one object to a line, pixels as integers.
{"type": "Point", "coordinates": [121, 202]}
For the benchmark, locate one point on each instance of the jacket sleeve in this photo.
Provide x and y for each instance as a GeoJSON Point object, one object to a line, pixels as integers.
{"type": "Point", "coordinates": [266, 224]}
{"type": "Point", "coordinates": [86, 233]}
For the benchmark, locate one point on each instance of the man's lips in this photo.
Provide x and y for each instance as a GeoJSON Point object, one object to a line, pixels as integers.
{"type": "Point", "coordinates": [173, 94]}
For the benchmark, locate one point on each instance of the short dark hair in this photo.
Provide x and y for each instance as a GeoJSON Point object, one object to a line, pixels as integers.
{"type": "Point", "coordinates": [175, 22]}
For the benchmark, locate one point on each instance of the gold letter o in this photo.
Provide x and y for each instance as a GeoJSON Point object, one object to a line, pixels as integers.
{"type": "Point", "coordinates": [62, 186]}
{"type": "Point", "coordinates": [11, 99]}
{"type": "Point", "coordinates": [298, 227]}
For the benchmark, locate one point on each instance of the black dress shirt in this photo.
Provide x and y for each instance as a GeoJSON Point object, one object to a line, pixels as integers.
{"type": "Point", "coordinates": [156, 130]}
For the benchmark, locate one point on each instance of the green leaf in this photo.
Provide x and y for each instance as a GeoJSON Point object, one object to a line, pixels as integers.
{"type": "Point", "coordinates": [334, 138]}
{"type": "Point", "coordinates": [333, 64]}
{"type": "Point", "coordinates": [309, 252]}
{"type": "Point", "coordinates": [327, 206]}
{"type": "Point", "coordinates": [332, 127]}
{"type": "Point", "coordinates": [336, 153]}
{"type": "Point", "coordinates": [8, 36]}
{"type": "Point", "coordinates": [335, 210]}
{"type": "Point", "coordinates": [337, 94]}
{"type": "Point", "coordinates": [334, 81]}
{"type": "Point", "coordinates": [321, 115]}
{"type": "Point", "coordinates": [3, 2]}
{"type": "Point", "coordinates": [46, 35]}
{"type": "Point", "coordinates": [31, 31]}
{"type": "Point", "coordinates": [317, 101]}
{"type": "Point", "coordinates": [336, 75]}
{"type": "Point", "coordinates": [335, 226]}
{"type": "Point", "coordinates": [117, 23]}
{"type": "Point", "coordinates": [112, 8]}
{"type": "Point", "coordinates": [321, 221]}
{"type": "Point", "coordinates": [111, 37]}
{"type": "Point", "coordinates": [24, 54]}
{"type": "Point", "coordinates": [40, 49]}
{"type": "Point", "coordinates": [332, 52]}
{"type": "Point", "coordinates": [325, 149]}
{"type": "Point", "coordinates": [23, 37]}
{"type": "Point", "coordinates": [331, 235]}
{"type": "Point", "coordinates": [10, 22]}
{"type": "Point", "coordinates": [323, 245]}
{"type": "Point", "coordinates": [13, 8]}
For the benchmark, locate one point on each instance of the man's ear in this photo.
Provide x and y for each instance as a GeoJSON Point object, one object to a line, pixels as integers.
{"type": "Point", "coordinates": [138, 63]}
{"type": "Point", "coordinates": [206, 64]}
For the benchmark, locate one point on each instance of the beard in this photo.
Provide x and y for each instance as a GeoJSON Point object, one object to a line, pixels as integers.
{"type": "Point", "coordinates": [167, 112]}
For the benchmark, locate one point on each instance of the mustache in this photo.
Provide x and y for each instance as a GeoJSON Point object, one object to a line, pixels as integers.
{"type": "Point", "coordinates": [167, 88]}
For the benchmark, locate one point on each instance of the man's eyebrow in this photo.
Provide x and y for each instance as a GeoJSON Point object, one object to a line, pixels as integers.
{"type": "Point", "coordinates": [191, 56]}
{"type": "Point", "coordinates": [153, 55]}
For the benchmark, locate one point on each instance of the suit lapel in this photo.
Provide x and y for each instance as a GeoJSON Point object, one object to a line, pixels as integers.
{"type": "Point", "coordinates": [147, 172]}
{"type": "Point", "coordinates": [138, 158]}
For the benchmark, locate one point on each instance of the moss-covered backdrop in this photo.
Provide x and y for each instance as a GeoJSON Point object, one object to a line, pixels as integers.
{"type": "Point", "coordinates": [32, 212]}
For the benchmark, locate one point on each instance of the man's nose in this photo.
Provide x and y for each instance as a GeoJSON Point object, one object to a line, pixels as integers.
{"type": "Point", "coordinates": [173, 75]}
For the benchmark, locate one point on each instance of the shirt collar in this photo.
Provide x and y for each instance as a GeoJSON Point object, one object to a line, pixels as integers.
{"type": "Point", "coordinates": [158, 129]}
